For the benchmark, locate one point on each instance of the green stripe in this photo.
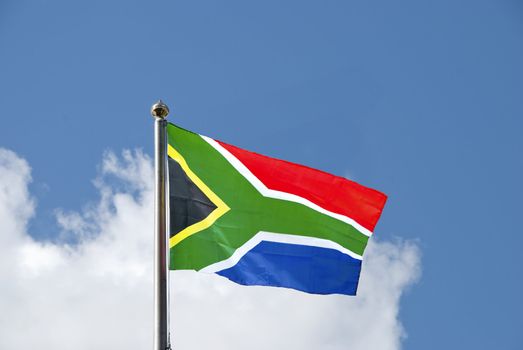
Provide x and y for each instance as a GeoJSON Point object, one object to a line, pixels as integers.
{"type": "Point", "coordinates": [250, 211]}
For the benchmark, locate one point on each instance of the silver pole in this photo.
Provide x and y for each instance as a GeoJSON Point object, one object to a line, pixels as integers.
{"type": "Point", "coordinates": [161, 282]}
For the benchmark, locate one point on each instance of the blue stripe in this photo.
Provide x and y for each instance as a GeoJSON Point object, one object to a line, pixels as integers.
{"type": "Point", "coordinates": [309, 269]}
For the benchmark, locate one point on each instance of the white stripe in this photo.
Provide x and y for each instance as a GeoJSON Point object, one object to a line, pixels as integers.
{"type": "Point", "coordinates": [279, 238]}
{"type": "Point", "coordinates": [267, 192]}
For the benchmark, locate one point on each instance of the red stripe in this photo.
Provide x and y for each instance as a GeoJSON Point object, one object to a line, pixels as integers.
{"type": "Point", "coordinates": [333, 193]}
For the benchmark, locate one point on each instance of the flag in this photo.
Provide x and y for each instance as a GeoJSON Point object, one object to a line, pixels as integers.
{"type": "Point", "coordinates": [258, 220]}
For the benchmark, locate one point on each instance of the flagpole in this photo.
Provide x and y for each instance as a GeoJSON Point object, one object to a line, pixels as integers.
{"type": "Point", "coordinates": [161, 282]}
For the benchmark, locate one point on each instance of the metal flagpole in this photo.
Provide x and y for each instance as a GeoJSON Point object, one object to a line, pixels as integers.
{"type": "Point", "coordinates": [161, 282]}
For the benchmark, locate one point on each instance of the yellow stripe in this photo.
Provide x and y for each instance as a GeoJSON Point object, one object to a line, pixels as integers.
{"type": "Point", "coordinates": [221, 207]}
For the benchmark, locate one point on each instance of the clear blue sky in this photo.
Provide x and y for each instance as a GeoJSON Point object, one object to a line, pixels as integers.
{"type": "Point", "coordinates": [420, 99]}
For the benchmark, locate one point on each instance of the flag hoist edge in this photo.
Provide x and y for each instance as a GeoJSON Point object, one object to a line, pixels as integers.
{"type": "Point", "coordinates": [263, 221]}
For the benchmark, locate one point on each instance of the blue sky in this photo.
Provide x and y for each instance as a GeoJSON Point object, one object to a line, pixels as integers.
{"type": "Point", "coordinates": [421, 100]}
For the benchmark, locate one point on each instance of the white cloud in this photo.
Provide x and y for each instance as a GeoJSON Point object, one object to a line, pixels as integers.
{"type": "Point", "coordinates": [97, 294]}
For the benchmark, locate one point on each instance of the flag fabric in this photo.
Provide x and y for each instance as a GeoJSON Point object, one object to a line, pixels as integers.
{"type": "Point", "coordinates": [258, 220]}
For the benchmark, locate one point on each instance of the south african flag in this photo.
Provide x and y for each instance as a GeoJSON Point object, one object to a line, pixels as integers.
{"type": "Point", "coordinates": [263, 221]}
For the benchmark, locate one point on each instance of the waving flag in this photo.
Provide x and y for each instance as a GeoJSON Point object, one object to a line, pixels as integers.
{"type": "Point", "coordinates": [263, 221]}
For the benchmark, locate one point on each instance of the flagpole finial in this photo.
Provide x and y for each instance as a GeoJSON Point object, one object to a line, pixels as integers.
{"type": "Point", "coordinates": [159, 110]}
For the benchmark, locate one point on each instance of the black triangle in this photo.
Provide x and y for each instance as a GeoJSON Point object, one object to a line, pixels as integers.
{"type": "Point", "coordinates": [188, 204]}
